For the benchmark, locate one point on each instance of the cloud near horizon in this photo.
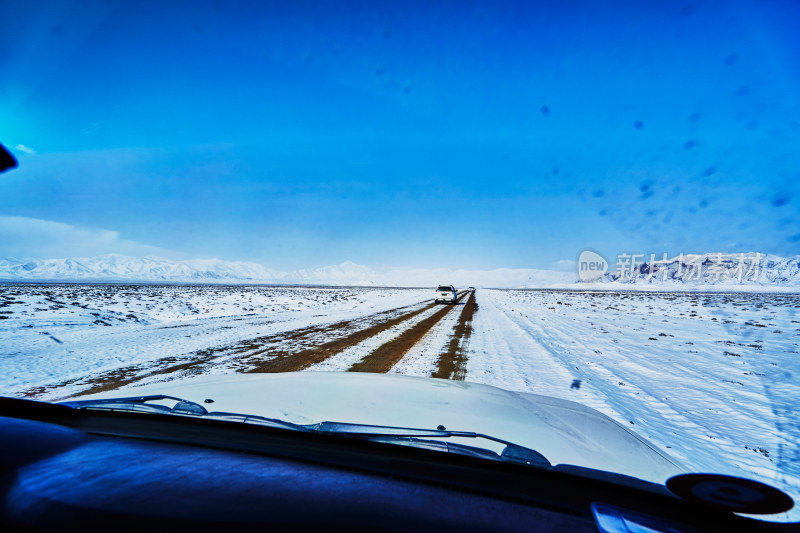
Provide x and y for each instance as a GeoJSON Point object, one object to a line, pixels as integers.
{"type": "Point", "coordinates": [563, 265]}
{"type": "Point", "coordinates": [33, 238]}
{"type": "Point", "coordinates": [25, 149]}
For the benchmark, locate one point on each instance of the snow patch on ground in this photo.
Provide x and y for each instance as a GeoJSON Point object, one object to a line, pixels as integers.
{"type": "Point", "coordinates": [712, 379]}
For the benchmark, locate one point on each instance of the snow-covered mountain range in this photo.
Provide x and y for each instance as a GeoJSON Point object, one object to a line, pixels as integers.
{"type": "Point", "coordinates": [154, 269]}
{"type": "Point", "coordinates": [731, 271]}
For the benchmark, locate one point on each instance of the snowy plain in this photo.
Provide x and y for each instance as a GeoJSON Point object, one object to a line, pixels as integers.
{"type": "Point", "coordinates": [709, 378]}
{"type": "Point", "coordinates": [712, 379]}
{"type": "Point", "coordinates": [56, 334]}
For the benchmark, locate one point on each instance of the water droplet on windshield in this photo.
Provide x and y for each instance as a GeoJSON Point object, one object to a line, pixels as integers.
{"type": "Point", "coordinates": [780, 201]}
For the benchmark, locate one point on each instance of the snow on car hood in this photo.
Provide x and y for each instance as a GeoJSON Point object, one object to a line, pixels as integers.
{"type": "Point", "coordinates": [564, 432]}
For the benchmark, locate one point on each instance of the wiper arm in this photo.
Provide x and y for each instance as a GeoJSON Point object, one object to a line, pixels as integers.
{"type": "Point", "coordinates": [511, 453]}
{"type": "Point", "coordinates": [139, 403]}
{"type": "Point", "coordinates": [370, 430]}
{"type": "Point", "coordinates": [440, 446]}
{"type": "Point", "coordinates": [254, 419]}
{"type": "Point", "coordinates": [182, 407]}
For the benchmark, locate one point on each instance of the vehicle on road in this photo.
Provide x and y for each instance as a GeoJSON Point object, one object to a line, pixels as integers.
{"type": "Point", "coordinates": [446, 294]}
{"type": "Point", "coordinates": [471, 289]}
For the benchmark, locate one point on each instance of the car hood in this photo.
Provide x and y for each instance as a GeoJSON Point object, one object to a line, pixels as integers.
{"type": "Point", "coordinates": [564, 432]}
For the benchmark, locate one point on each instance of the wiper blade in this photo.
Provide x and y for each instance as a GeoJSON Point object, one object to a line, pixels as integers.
{"type": "Point", "coordinates": [182, 407]}
{"type": "Point", "coordinates": [398, 435]}
{"type": "Point", "coordinates": [402, 435]}
{"type": "Point", "coordinates": [139, 403]}
{"type": "Point", "coordinates": [366, 430]}
{"type": "Point", "coordinates": [254, 419]}
{"type": "Point", "coordinates": [440, 446]}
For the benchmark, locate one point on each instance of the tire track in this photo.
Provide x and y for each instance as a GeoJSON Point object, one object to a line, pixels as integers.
{"type": "Point", "coordinates": [383, 358]}
{"type": "Point", "coordinates": [287, 351]}
{"type": "Point", "coordinates": [452, 364]}
{"type": "Point", "coordinates": [294, 361]}
{"type": "Point", "coordinates": [260, 354]}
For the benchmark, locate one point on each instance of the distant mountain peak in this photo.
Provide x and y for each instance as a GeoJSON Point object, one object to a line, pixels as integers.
{"type": "Point", "coordinates": [675, 273]}
{"type": "Point", "coordinates": [122, 268]}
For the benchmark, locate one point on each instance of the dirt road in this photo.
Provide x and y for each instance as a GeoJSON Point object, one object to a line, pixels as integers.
{"type": "Point", "coordinates": [371, 343]}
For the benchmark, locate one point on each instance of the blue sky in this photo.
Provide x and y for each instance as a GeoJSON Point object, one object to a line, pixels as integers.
{"type": "Point", "coordinates": [461, 135]}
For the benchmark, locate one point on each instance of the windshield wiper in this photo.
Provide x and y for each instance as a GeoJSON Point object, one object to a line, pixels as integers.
{"type": "Point", "coordinates": [439, 446]}
{"type": "Point", "coordinates": [182, 407]}
{"type": "Point", "coordinates": [401, 435]}
{"type": "Point", "coordinates": [416, 437]}
{"type": "Point", "coordinates": [139, 403]}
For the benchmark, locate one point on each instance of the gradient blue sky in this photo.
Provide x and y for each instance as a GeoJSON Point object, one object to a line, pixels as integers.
{"type": "Point", "coordinates": [461, 135]}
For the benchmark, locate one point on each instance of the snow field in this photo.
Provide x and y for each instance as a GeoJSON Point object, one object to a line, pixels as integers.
{"type": "Point", "coordinates": [52, 335]}
{"type": "Point", "coordinates": [696, 374]}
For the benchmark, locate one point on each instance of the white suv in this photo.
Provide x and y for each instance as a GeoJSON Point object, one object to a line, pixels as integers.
{"type": "Point", "coordinates": [445, 294]}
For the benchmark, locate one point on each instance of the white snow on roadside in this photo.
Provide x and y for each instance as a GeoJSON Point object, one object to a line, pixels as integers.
{"type": "Point", "coordinates": [506, 354]}
{"type": "Point", "coordinates": [696, 374]}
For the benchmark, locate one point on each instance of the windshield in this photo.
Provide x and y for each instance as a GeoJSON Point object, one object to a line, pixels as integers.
{"type": "Point", "coordinates": [211, 193]}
